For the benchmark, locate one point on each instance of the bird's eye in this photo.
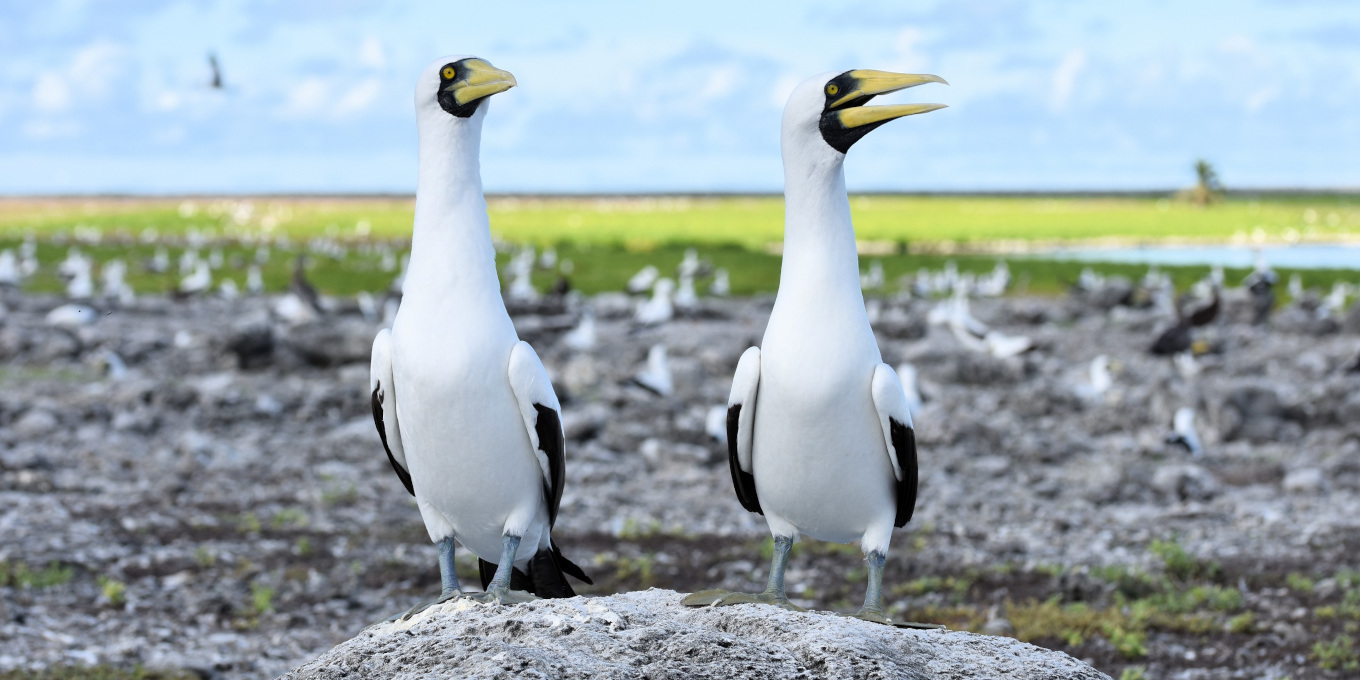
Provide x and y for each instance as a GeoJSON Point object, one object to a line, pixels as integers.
{"type": "Point", "coordinates": [448, 72]}
{"type": "Point", "coordinates": [833, 89]}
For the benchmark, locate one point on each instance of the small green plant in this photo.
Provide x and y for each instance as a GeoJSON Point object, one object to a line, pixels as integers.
{"type": "Point", "coordinates": [113, 590]}
{"type": "Point", "coordinates": [1134, 673]}
{"type": "Point", "coordinates": [204, 557]}
{"type": "Point", "coordinates": [1299, 582]}
{"type": "Point", "coordinates": [1339, 653]}
{"type": "Point", "coordinates": [261, 598]}
{"type": "Point", "coordinates": [1179, 563]}
{"type": "Point", "coordinates": [303, 546]}
{"type": "Point", "coordinates": [1130, 643]}
{"type": "Point", "coordinates": [21, 575]}
{"type": "Point", "coordinates": [288, 517]}
{"type": "Point", "coordinates": [1242, 623]}
{"type": "Point", "coordinates": [248, 523]}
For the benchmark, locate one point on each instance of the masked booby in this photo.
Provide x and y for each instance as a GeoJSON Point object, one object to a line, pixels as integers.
{"type": "Point", "coordinates": [820, 436]}
{"type": "Point", "coordinates": [464, 408]}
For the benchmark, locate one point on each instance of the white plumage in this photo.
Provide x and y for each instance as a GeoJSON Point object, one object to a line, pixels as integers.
{"type": "Point", "coordinates": [460, 400]}
{"type": "Point", "coordinates": [823, 443]}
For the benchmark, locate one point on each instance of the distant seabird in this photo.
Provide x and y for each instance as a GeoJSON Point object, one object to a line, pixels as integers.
{"type": "Point", "coordinates": [721, 285]}
{"type": "Point", "coordinates": [464, 408]}
{"type": "Point", "coordinates": [1261, 284]}
{"type": "Point", "coordinates": [583, 337]}
{"type": "Point", "coordinates": [655, 376]}
{"type": "Point", "coordinates": [10, 276]}
{"type": "Point", "coordinates": [820, 436]}
{"type": "Point", "coordinates": [643, 280]}
{"type": "Point", "coordinates": [1183, 432]}
{"type": "Point", "coordinates": [72, 316]}
{"type": "Point", "coordinates": [658, 309]}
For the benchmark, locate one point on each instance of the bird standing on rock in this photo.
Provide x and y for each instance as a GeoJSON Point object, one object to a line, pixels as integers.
{"type": "Point", "coordinates": [465, 409]}
{"type": "Point", "coordinates": [820, 436]}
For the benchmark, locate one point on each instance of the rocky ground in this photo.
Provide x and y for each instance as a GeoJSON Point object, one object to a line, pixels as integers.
{"type": "Point", "coordinates": [648, 634]}
{"type": "Point", "coordinates": [197, 518]}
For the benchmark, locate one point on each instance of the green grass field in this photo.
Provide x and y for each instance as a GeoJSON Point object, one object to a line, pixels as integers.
{"type": "Point", "coordinates": [753, 222]}
{"type": "Point", "coordinates": [607, 239]}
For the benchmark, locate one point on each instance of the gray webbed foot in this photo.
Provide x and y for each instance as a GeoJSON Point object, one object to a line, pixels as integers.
{"type": "Point", "coordinates": [406, 616]}
{"type": "Point", "coordinates": [723, 598]}
{"type": "Point", "coordinates": [877, 616]}
{"type": "Point", "coordinates": [494, 595]}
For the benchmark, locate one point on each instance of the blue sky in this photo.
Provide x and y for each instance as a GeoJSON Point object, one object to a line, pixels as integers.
{"type": "Point", "coordinates": [630, 96]}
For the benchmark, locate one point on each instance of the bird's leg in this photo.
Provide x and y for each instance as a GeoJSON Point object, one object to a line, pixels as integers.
{"type": "Point", "coordinates": [498, 590]}
{"type": "Point", "coordinates": [774, 592]}
{"type": "Point", "coordinates": [873, 596]}
{"type": "Point", "coordinates": [873, 593]}
{"type": "Point", "coordinates": [448, 579]}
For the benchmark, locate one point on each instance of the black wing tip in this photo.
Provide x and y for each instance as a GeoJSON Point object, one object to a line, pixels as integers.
{"type": "Point", "coordinates": [402, 473]}
{"type": "Point", "coordinates": [743, 482]}
{"type": "Point", "coordinates": [904, 447]}
{"type": "Point", "coordinates": [548, 427]}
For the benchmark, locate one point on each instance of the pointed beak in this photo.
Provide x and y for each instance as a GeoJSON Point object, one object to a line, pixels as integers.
{"type": "Point", "coordinates": [851, 112]}
{"type": "Point", "coordinates": [482, 80]}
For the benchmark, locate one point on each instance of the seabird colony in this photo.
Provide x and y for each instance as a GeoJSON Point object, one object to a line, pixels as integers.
{"type": "Point", "coordinates": [464, 408]}
{"type": "Point", "coordinates": [820, 437]}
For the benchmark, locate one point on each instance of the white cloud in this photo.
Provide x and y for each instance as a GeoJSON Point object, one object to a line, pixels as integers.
{"type": "Point", "coordinates": [43, 129]}
{"type": "Point", "coordinates": [51, 93]}
{"type": "Point", "coordinates": [1065, 78]}
{"type": "Point", "coordinates": [721, 82]}
{"type": "Point", "coordinates": [359, 98]}
{"type": "Point", "coordinates": [308, 98]}
{"type": "Point", "coordinates": [1260, 98]}
{"type": "Point", "coordinates": [371, 53]}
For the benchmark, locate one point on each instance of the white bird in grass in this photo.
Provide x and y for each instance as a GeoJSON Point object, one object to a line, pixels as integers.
{"type": "Point", "coordinates": [464, 408]}
{"type": "Point", "coordinates": [658, 309]}
{"type": "Point", "coordinates": [1099, 380]}
{"type": "Point", "coordinates": [521, 269]}
{"type": "Point", "coordinates": [254, 280]}
{"type": "Point", "coordinates": [10, 276]}
{"type": "Point", "coordinates": [721, 286]}
{"type": "Point", "coordinates": [655, 376]}
{"type": "Point", "coordinates": [115, 287]}
{"type": "Point", "coordinates": [582, 338]}
{"type": "Point", "coordinates": [198, 281]}
{"type": "Point", "coordinates": [823, 443]}
{"type": "Point", "coordinates": [644, 279]}
{"type": "Point", "coordinates": [685, 296]}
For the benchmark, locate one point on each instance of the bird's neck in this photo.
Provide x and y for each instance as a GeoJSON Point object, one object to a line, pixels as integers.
{"type": "Point", "coordinates": [451, 245]}
{"type": "Point", "coordinates": [819, 238]}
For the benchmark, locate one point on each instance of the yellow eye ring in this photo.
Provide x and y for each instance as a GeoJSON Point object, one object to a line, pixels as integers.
{"type": "Point", "coordinates": [448, 72]}
{"type": "Point", "coordinates": [833, 89]}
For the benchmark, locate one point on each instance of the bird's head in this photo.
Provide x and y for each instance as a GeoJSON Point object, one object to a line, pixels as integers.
{"type": "Point", "coordinates": [457, 87]}
{"type": "Point", "coordinates": [833, 107]}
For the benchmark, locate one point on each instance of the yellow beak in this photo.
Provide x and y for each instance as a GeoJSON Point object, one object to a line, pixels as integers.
{"type": "Point", "coordinates": [868, 83]}
{"type": "Point", "coordinates": [482, 80]}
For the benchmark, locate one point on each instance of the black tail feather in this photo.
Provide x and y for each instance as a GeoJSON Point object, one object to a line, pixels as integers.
{"type": "Point", "coordinates": [546, 576]}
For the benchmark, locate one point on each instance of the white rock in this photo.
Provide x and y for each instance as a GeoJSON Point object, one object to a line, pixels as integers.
{"type": "Point", "coordinates": [648, 634]}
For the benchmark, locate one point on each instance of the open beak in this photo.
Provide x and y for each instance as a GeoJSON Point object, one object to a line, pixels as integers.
{"type": "Point", "coordinates": [482, 80]}
{"type": "Point", "coordinates": [868, 84]}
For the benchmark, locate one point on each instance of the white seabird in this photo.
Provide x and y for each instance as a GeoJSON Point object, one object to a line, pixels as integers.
{"type": "Point", "coordinates": [1183, 432]}
{"type": "Point", "coordinates": [822, 441]}
{"type": "Point", "coordinates": [582, 338]}
{"type": "Point", "coordinates": [643, 279]}
{"type": "Point", "coordinates": [465, 409]}
{"type": "Point", "coordinates": [655, 376]}
{"type": "Point", "coordinates": [10, 275]}
{"type": "Point", "coordinates": [657, 309]}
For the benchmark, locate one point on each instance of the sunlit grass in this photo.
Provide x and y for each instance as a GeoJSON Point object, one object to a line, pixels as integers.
{"type": "Point", "coordinates": [642, 223]}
